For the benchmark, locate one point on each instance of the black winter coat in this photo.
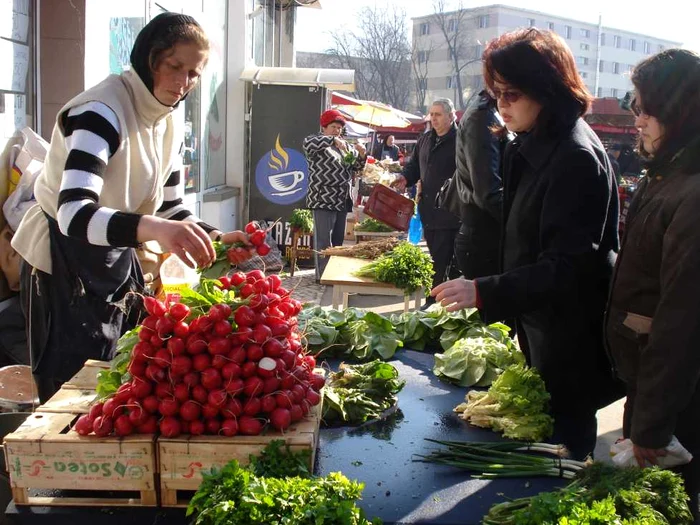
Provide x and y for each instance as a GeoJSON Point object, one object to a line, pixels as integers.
{"type": "Point", "coordinates": [558, 248]}
{"type": "Point", "coordinates": [433, 163]}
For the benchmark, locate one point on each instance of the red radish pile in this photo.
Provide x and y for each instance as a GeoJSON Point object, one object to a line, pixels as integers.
{"type": "Point", "coordinates": [226, 372]}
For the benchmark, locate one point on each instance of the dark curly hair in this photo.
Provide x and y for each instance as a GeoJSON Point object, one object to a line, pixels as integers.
{"type": "Point", "coordinates": [541, 65]}
{"type": "Point", "coordinates": [667, 88]}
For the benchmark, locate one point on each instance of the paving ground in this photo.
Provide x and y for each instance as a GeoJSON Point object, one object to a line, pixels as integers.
{"type": "Point", "coordinates": [307, 290]}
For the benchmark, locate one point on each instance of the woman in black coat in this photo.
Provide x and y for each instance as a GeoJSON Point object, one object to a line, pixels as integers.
{"type": "Point", "coordinates": [559, 236]}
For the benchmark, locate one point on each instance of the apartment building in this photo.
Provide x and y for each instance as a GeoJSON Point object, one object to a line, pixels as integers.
{"type": "Point", "coordinates": [604, 55]}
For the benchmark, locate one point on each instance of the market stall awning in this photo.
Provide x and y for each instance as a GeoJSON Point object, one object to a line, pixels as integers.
{"type": "Point", "coordinates": [338, 99]}
{"type": "Point", "coordinates": [301, 76]}
{"type": "Point", "coordinates": [355, 130]}
{"type": "Point", "coordinates": [375, 114]}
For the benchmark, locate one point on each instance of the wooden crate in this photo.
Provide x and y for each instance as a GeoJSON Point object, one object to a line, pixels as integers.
{"type": "Point", "coordinates": [86, 378]}
{"type": "Point", "coordinates": [70, 401]}
{"type": "Point", "coordinates": [182, 460]}
{"type": "Point", "coordinates": [44, 453]}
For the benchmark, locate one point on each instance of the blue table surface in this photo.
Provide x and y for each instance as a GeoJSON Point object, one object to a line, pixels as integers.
{"type": "Point", "coordinates": [380, 454]}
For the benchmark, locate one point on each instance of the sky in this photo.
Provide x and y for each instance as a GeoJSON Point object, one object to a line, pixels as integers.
{"type": "Point", "coordinates": [677, 20]}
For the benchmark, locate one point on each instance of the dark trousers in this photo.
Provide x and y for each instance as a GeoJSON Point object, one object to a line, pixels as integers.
{"type": "Point", "coordinates": [441, 246]}
{"type": "Point", "coordinates": [329, 230]}
{"type": "Point", "coordinates": [476, 252]}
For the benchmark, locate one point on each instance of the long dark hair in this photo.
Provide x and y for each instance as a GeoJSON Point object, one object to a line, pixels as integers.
{"type": "Point", "coordinates": [540, 64]}
{"type": "Point", "coordinates": [667, 88]}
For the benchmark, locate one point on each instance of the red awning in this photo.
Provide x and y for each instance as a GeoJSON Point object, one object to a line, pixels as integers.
{"type": "Point", "coordinates": [338, 99]}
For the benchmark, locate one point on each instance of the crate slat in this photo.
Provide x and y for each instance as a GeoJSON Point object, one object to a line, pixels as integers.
{"type": "Point", "coordinates": [86, 378]}
{"type": "Point", "coordinates": [70, 401]}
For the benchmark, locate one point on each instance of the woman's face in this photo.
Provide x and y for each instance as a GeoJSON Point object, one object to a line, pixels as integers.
{"type": "Point", "coordinates": [333, 129]}
{"type": "Point", "coordinates": [519, 112]}
{"type": "Point", "coordinates": [178, 72]}
{"type": "Point", "coordinates": [650, 129]}
{"type": "Point", "coordinates": [390, 140]}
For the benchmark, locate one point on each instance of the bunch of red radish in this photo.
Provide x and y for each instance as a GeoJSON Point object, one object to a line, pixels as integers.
{"type": "Point", "coordinates": [225, 372]}
{"type": "Point", "coordinates": [256, 236]}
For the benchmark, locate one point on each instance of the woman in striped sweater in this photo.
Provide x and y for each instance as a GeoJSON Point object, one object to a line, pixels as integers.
{"type": "Point", "coordinates": [111, 183]}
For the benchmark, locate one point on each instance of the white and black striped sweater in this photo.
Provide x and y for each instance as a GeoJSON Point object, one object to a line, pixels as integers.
{"type": "Point", "coordinates": [92, 136]}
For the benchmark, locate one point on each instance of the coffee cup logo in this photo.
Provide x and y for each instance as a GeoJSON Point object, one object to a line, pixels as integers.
{"type": "Point", "coordinates": [282, 175]}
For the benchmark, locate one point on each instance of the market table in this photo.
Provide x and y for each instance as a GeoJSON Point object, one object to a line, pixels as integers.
{"type": "Point", "coordinates": [339, 274]}
{"type": "Point", "coordinates": [397, 490]}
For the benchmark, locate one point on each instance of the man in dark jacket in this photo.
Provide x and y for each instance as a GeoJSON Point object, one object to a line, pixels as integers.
{"type": "Point", "coordinates": [432, 163]}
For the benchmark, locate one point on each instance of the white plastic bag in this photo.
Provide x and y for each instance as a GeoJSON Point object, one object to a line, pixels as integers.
{"type": "Point", "coordinates": [27, 165]}
{"type": "Point", "coordinates": [623, 454]}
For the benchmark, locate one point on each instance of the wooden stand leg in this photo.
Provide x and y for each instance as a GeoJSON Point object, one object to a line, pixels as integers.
{"type": "Point", "coordinates": [406, 303]}
{"type": "Point", "coordinates": [417, 300]}
{"type": "Point", "coordinates": [345, 299]}
{"type": "Point", "coordinates": [336, 296]}
{"type": "Point", "coordinates": [293, 252]}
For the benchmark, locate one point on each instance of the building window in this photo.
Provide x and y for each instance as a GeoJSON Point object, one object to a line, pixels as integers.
{"type": "Point", "coordinates": [584, 74]}
{"type": "Point", "coordinates": [647, 48]}
{"type": "Point", "coordinates": [449, 82]}
{"type": "Point", "coordinates": [483, 21]}
{"type": "Point", "coordinates": [531, 22]}
{"type": "Point", "coordinates": [602, 39]}
{"type": "Point", "coordinates": [425, 28]}
{"type": "Point", "coordinates": [582, 61]}
{"type": "Point", "coordinates": [585, 47]}
{"type": "Point", "coordinates": [617, 41]}
{"type": "Point", "coordinates": [452, 25]}
{"type": "Point", "coordinates": [550, 26]}
{"type": "Point", "coordinates": [600, 92]}
{"type": "Point", "coordinates": [633, 44]}
{"type": "Point", "coordinates": [613, 92]}
{"type": "Point", "coordinates": [567, 31]}
{"type": "Point", "coordinates": [585, 33]}
{"type": "Point", "coordinates": [616, 67]}
{"type": "Point", "coordinates": [601, 66]}
{"type": "Point", "coordinates": [478, 51]}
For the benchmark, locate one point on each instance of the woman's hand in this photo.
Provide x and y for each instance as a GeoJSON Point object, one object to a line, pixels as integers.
{"type": "Point", "coordinates": [340, 144]}
{"type": "Point", "coordinates": [644, 455]}
{"type": "Point", "coordinates": [361, 150]}
{"type": "Point", "coordinates": [185, 239]}
{"type": "Point", "coordinates": [238, 254]}
{"type": "Point", "coordinates": [455, 294]}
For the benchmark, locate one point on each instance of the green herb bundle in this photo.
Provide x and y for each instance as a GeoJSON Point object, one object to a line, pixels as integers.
{"type": "Point", "coordinates": [516, 405]}
{"type": "Point", "coordinates": [407, 267]}
{"type": "Point", "coordinates": [302, 220]}
{"type": "Point", "coordinates": [603, 494]}
{"type": "Point", "coordinates": [357, 393]}
{"type": "Point", "coordinates": [373, 225]}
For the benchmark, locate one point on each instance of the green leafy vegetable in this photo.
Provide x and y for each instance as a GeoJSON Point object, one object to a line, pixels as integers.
{"type": "Point", "coordinates": [407, 267]}
{"type": "Point", "coordinates": [302, 220]}
{"type": "Point", "coordinates": [108, 381]}
{"type": "Point", "coordinates": [372, 225]}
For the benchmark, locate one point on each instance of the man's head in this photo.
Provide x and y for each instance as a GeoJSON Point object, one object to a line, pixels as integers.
{"type": "Point", "coordinates": [332, 122]}
{"type": "Point", "coordinates": [442, 115]}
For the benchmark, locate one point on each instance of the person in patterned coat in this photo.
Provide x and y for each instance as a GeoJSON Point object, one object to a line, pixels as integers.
{"type": "Point", "coordinates": [332, 164]}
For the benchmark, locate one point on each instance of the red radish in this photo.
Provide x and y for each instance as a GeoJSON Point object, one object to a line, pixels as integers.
{"type": "Point", "coordinates": [111, 408]}
{"type": "Point", "coordinates": [296, 412]}
{"type": "Point", "coordinates": [254, 352]}
{"type": "Point", "coordinates": [317, 381]}
{"type": "Point", "coordinates": [232, 408]}
{"type": "Point", "coordinates": [184, 427]}
{"type": "Point", "coordinates": [285, 308]}
{"type": "Point", "coordinates": [216, 314]}
{"type": "Point", "coordinates": [262, 286]}
{"type": "Point", "coordinates": [163, 389]}
{"type": "Point", "coordinates": [84, 425]}
{"type": "Point", "coordinates": [217, 398]}
{"type": "Point", "coordinates": [150, 322]}
{"type": "Point", "coordinates": [219, 361]}
{"type": "Point", "coordinates": [122, 426]}
{"type": "Point", "coordinates": [237, 279]}
{"type": "Point", "coordinates": [205, 324]}
{"type": "Point", "coordinates": [137, 416]}
{"type": "Point", "coordinates": [231, 371]}
{"type": "Point", "coordinates": [253, 386]}
{"type": "Point", "coordinates": [225, 282]}
{"type": "Point", "coordinates": [257, 238]}
{"type": "Point", "coordinates": [246, 291]}
{"type": "Point", "coordinates": [295, 346]}
{"type": "Point", "coordinates": [164, 327]}
{"type": "Point", "coordinates": [220, 345]}
{"type": "Point", "coordinates": [281, 418]}
{"type": "Point", "coordinates": [234, 386]}
{"type": "Point", "coordinates": [268, 404]}
{"type": "Point", "coordinates": [298, 393]}
{"type": "Point", "coordinates": [179, 311]}
{"type": "Point", "coordinates": [162, 358]}
{"type": "Point", "coordinates": [258, 302]}
{"type": "Point", "coordinates": [211, 378]}
{"type": "Point", "coordinates": [282, 292]}
{"type": "Point", "coordinates": [261, 333]}
{"type": "Point", "coordinates": [273, 348]}
{"type": "Point", "coordinates": [155, 373]}
{"type": "Point", "coordinates": [181, 365]}
{"type": "Point", "coordinates": [95, 410]}
{"type": "Point", "coordinates": [237, 355]}
{"type": "Point", "coordinates": [176, 345]}
{"type": "Point", "coordinates": [123, 393]}
{"type": "Point", "coordinates": [275, 282]}
{"type": "Point", "coordinates": [142, 351]}
{"type": "Point", "coordinates": [181, 329]}
{"type": "Point", "coordinates": [190, 410]}
{"type": "Point", "coordinates": [249, 369]}
{"type": "Point", "coordinates": [279, 327]}
{"type": "Point", "coordinates": [271, 384]}
{"type": "Point", "coordinates": [154, 306]}
{"type": "Point", "coordinates": [267, 367]}
{"type": "Point", "coordinates": [222, 328]}
{"type": "Point", "coordinates": [181, 392]}
{"type": "Point", "coordinates": [289, 358]}
{"type": "Point", "coordinates": [201, 362]}
{"type": "Point", "coordinates": [229, 427]}
{"type": "Point", "coordinates": [145, 334]}
{"type": "Point", "coordinates": [102, 426]}
{"type": "Point", "coordinates": [313, 397]}
{"type": "Point", "coordinates": [263, 249]}
{"type": "Point", "coordinates": [170, 427]}
{"type": "Point", "coordinates": [305, 407]}
{"type": "Point", "coordinates": [241, 336]}
{"type": "Point", "coordinates": [284, 399]}
{"type": "Point", "coordinates": [196, 344]}
{"type": "Point", "coordinates": [281, 366]}
{"type": "Point", "coordinates": [256, 274]}
{"type": "Point", "coordinates": [169, 406]}
{"type": "Point", "coordinates": [156, 341]}
{"type": "Point", "coordinates": [150, 404]}
{"type": "Point", "coordinates": [252, 406]}
{"type": "Point", "coordinates": [274, 299]}
{"type": "Point", "coordinates": [244, 316]}
{"type": "Point", "coordinates": [149, 427]}
{"type": "Point", "coordinates": [191, 379]}
{"type": "Point", "coordinates": [209, 411]}
{"type": "Point", "coordinates": [200, 394]}
{"type": "Point", "coordinates": [252, 227]}
{"type": "Point", "coordinates": [310, 362]}
{"type": "Point", "coordinates": [249, 426]}
{"type": "Point", "coordinates": [197, 427]}
{"type": "Point", "coordinates": [213, 426]}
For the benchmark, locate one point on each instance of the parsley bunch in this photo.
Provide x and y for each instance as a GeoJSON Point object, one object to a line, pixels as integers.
{"type": "Point", "coordinates": [407, 267]}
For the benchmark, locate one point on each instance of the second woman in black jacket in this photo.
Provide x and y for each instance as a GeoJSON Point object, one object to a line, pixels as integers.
{"type": "Point", "coordinates": [559, 231]}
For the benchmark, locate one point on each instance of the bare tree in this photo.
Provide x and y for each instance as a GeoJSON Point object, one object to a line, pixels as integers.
{"type": "Point", "coordinates": [379, 52]}
{"type": "Point", "coordinates": [420, 57]}
{"type": "Point", "coordinates": [454, 26]}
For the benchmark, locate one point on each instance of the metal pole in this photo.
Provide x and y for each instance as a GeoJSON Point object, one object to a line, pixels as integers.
{"type": "Point", "coordinates": [597, 55]}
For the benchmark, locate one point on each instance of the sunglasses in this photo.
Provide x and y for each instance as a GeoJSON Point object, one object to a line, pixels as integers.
{"type": "Point", "coordinates": [510, 96]}
{"type": "Point", "coordinates": [630, 103]}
